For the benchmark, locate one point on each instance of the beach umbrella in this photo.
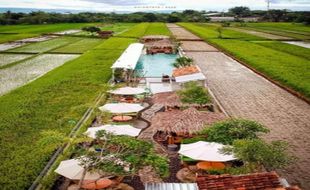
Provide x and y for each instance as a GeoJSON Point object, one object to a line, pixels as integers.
{"type": "Point", "coordinates": [71, 169]}
{"type": "Point", "coordinates": [128, 91]}
{"type": "Point", "coordinates": [205, 151]}
{"type": "Point", "coordinates": [115, 129]}
{"type": "Point", "coordinates": [121, 108]}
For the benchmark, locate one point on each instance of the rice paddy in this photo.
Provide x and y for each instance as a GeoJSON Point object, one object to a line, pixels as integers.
{"type": "Point", "coordinates": [6, 59]}
{"type": "Point", "coordinates": [30, 70]}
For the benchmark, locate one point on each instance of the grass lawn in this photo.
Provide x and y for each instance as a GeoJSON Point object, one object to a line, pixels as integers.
{"type": "Point", "coordinates": [118, 27]}
{"type": "Point", "coordinates": [290, 66]}
{"type": "Point", "coordinates": [287, 48]}
{"type": "Point", "coordinates": [46, 45]}
{"type": "Point", "coordinates": [157, 28]}
{"type": "Point", "coordinates": [13, 37]}
{"type": "Point", "coordinates": [80, 46]}
{"type": "Point", "coordinates": [146, 29]}
{"type": "Point", "coordinates": [209, 31]}
{"type": "Point", "coordinates": [54, 102]}
{"type": "Point", "coordinates": [294, 30]}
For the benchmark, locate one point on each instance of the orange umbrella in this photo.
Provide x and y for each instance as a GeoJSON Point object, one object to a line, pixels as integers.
{"type": "Point", "coordinates": [98, 184]}
{"type": "Point", "coordinates": [210, 165]}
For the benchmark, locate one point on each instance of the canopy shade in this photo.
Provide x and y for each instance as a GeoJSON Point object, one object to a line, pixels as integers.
{"type": "Point", "coordinates": [130, 57]}
{"type": "Point", "coordinates": [127, 91]}
{"type": "Point", "coordinates": [121, 108]}
{"type": "Point", "coordinates": [191, 77]}
{"type": "Point", "coordinates": [115, 129]}
{"type": "Point", "coordinates": [206, 151]}
{"type": "Point", "coordinates": [71, 169]}
{"type": "Point", "coordinates": [190, 120]}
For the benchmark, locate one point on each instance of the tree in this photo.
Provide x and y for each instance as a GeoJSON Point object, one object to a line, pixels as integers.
{"type": "Point", "coordinates": [183, 62]}
{"type": "Point", "coordinates": [277, 15]}
{"type": "Point", "coordinates": [122, 156]}
{"type": "Point", "coordinates": [173, 18]}
{"type": "Point", "coordinates": [240, 11]}
{"type": "Point", "coordinates": [256, 153]}
{"type": "Point", "coordinates": [91, 29]}
{"type": "Point", "coordinates": [194, 94]}
{"type": "Point", "coordinates": [226, 132]}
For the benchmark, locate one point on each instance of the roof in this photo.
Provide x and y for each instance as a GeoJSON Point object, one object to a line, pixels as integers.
{"type": "Point", "coordinates": [155, 37]}
{"type": "Point", "coordinates": [185, 71]}
{"type": "Point", "coordinates": [159, 43]}
{"type": "Point", "coordinates": [255, 181]}
{"type": "Point", "coordinates": [190, 120]}
{"type": "Point", "coordinates": [170, 99]}
{"type": "Point", "coordinates": [191, 77]}
{"type": "Point", "coordinates": [171, 186]}
{"type": "Point", "coordinates": [130, 57]}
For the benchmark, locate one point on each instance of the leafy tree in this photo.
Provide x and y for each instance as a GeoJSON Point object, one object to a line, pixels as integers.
{"type": "Point", "coordinates": [91, 29]}
{"type": "Point", "coordinates": [194, 94]}
{"type": "Point", "coordinates": [183, 62]}
{"type": "Point", "coordinates": [173, 18]}
{"type": "Point", "coordinates": [277, 15]}
{"type": "Point", "coordinates": [122, 156]}
{"type": "Point", "coordinates": [240, 11]}
{"type": "Point", "coordinates": [256, 153]}
{"type": "Point", "coordinates": [234, 129]}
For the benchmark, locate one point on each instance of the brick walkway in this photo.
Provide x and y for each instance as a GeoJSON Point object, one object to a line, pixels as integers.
{"type": "Point", "coordinates": [243, 93]}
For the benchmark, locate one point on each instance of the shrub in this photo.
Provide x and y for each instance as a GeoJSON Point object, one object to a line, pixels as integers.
{"type": "Point", "coordinates": [256, 152]}
{"type": "Point", "coordinates": [183, 62]}
{"type": "Point", "coordinates": [227, 131]}
{"type": "Point", "coordinates": [194, 94]}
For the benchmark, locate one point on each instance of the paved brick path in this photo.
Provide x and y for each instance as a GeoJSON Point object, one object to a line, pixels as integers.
{"type": "Point", "coordinates": [243, 93]}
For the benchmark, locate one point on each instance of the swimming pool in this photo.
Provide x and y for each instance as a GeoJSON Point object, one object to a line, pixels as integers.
{"type": "Point", "coordinates": [156, 65]}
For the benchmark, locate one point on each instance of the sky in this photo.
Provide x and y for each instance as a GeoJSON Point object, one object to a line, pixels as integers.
{"type": "Point", "coordinates": [155, 5]}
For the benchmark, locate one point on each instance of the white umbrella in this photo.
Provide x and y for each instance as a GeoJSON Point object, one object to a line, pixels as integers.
{"type": "Point", "coordinates": [71, 169]}
{"type": "Point", "coordinates": [205, 151]}
{"type": "Point", "coordinates": [115, 129]}
{"type": "Point", "coordinates": [121, 108]}
{"type": "Point", "coordinates": [128, 91]}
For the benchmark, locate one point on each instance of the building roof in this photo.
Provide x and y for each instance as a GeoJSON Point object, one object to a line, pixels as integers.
{"type": "Point", "coordinates": [192, 77]}
{"type": "Point", "coordinates": [255, 181]}
{"type": "Point", "coordinates": [185, 71]}
{"type": "Point", "coordinates": [159, 43]}
{"type": "Point", "coordinates": [130, 57]}
{"type": "Point", "coordinates": [171, 186]}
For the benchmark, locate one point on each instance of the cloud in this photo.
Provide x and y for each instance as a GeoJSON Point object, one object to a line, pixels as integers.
{"type": "Point", "coordinates": [119, 2]}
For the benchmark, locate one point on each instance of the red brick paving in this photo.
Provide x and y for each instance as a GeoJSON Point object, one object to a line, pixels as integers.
{"type": "Point", "coordinates": [245, 94]}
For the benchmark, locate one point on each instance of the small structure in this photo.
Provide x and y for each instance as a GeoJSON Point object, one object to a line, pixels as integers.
{"type": "Point", "coordinates": [205, 151]}
{"type": "Point", "coordinates": [115, 129]}
{"type": "Point", "coordinates": [255, 181]}
{"type": "Point", "coordinates": [158, 44]}
{"type": "Point", "coordinates": [187, 121]}
{"type": "Point", "coordinates": [187, 74]}
{"type": "Point", "coordinates": [171, 186]}
{"type": "Point", "coordinates": [105, 33]}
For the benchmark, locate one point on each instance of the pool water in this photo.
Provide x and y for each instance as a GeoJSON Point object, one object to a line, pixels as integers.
{"type": "Point", "coordinates": [156, 65]}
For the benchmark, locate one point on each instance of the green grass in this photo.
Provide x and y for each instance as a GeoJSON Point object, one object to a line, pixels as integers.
{"type": "Point", "coordinates": [46, 45]}
{"type": "Point", "coordinates": [287, 66]}
{"type": "Point", "coordinates": [294, 30]}
{"type": "Point", "coordinates": [80, 46]}
{"type": "Point", "coordinates": [157, 28]}
{"type": "Point", "coordinates": [118, 27]}
{"type": "Point", "coordinates": [13, 37]}
{"type": "Point", "coordinates": [209, 31]}
{"type": "Point", "coordinates": [287, 48]}
{"type": "Point", "coordinates": [54, 102]}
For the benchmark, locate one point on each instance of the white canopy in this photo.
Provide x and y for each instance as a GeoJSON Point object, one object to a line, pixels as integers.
{"type": "Point", "coordinates": [72, 170]}
{"type": "Point", "coordinates": [128, 91]}
{"type": "Point", "coordinates": [191, 77]}
{"type": "Point", "coordinates": [115, 129]}
{"type": "Point", "coordinates": [206, 151]}
{"type": "Point", "coordinates": [130, 57]}
{"type": "Point", "coordinates": [120, 108]}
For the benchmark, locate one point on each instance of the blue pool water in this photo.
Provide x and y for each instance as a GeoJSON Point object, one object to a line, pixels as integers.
{"type": "Point", "coordinates": [156, 65]}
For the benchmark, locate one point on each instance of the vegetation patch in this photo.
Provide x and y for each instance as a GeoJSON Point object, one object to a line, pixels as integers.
{"type": "Point", "coordinates": [136, 31]}
{"type": "Point", "coordinates": [157, 28]}
{"type": "Point", "coordinates": [80, 46]}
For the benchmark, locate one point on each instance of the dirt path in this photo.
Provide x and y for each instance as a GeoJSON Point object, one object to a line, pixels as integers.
{"type": "Point", "coordinates": [262, 34]}
{"type": "Point", "coordinates": [243, 93]}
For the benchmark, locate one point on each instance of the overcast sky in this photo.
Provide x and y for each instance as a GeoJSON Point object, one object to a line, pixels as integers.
{"type": "Point", "coordinates": [142, 5]}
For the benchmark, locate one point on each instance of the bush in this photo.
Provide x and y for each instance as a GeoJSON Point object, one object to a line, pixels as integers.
{"type": "Point", "coordinates": [256, 152]}
{"type": "Point", "coordinates": [194, 94]}
{"type": "Point", "coordinates": [227, 131]}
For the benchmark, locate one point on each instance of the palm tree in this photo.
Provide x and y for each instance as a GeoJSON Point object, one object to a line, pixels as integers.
{"type": "Point", "coordinates": [183, 62]}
